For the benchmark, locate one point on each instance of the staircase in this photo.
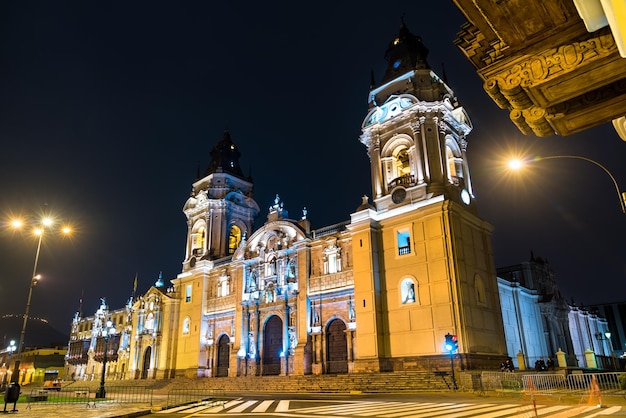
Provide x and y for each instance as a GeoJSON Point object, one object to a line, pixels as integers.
{"type": "Point", "coordinates": [330, 383]}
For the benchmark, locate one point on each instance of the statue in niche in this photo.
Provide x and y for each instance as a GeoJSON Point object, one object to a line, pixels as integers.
{"type": "Point", "coordinates": [272, 267]}
{"type": "Point", "coordinates": [351, 313]}
{"type": "Point", "coordinates": [251, 347]}
{"type": "Point", "coordinates": [293, 341]}
{"type": "Point", "coordinates": [291, 271]}
{"type": "Point", "coordinates": [410, 293]}
{"type": "Point", "coordinates": [270, 295]}
{"type": "Point", "coordinates": [252, 281]}
{"type": "Point", "coordinates": [316, 317]}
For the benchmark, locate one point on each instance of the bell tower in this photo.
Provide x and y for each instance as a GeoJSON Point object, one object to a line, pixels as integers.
{"type": "Point", "coordinates": [423, 259]}
{"type": "Point", "coordinates": [220, 211]}
{"type": "Point", "coordinates": [415, 131]}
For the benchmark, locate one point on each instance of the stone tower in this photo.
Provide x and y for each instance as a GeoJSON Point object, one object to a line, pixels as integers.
{"type": "Point", "coordinates": [220, 210]}
{"type": "Point", "coordinates": [423, 261]}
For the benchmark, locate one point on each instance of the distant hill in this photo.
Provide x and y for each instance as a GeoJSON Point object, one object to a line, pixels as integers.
{"type": "Point", "coordinates": [39, 333]}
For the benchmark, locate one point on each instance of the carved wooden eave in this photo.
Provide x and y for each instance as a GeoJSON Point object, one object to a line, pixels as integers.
{"type": "Point", "coordinates": [538, 61]}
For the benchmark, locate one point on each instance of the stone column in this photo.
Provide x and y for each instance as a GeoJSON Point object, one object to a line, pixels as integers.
{"type": "Point", "coordinates": [560, 358]}
{"type": "Point", "coordinates": [521, 361]}
{"type": "Point", "coordinates": [590, 359]}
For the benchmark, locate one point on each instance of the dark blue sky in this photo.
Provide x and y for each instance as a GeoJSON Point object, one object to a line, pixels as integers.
{"type": "Point", "coordinates": [107, 109]}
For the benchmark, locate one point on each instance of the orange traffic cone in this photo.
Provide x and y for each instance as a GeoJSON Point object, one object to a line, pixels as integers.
{"type": "Point", "coordinates": [595, 396]}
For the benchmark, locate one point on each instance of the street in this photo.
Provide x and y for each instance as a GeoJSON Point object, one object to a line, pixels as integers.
{"type": "Point", "coordinates": [392, 406]}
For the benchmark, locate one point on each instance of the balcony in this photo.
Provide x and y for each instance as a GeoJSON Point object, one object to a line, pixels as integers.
{"type": "Point", "coordinates": [407, 181]}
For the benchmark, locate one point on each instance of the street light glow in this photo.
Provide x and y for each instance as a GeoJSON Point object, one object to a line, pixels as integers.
{"type": "Point", "coordinates": [41, 226]}
{"type": "Point", "coordinates": [517, 163]}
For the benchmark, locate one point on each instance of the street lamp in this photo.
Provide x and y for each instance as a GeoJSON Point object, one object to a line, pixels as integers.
{"type": "Point", "coordinates": [46, 222]}
{"type": "Point", "coordinates": [608, 338]}
{"type": "Point", "coordinates": [106, 333]}
{"type": "Point", "coordinates": [516, 164]}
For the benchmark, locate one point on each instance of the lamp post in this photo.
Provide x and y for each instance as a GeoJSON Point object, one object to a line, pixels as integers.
{"type": "Point", "coordinates": [106, 335]}
{"type": "Point", "coordinates": [607, 334]}
{"type": "Point", "coordinates": [39, 232]}
{"type": "Point", "coordinates": [517, 163]}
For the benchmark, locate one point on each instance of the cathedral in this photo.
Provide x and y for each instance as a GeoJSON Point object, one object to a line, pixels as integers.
{"type": "Point", "coordinates": [377, 292]}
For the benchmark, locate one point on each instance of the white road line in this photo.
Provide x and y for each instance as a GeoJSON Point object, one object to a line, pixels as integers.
{"type": "Point", "coordinates": [242, 407]}
{"type": "Point", "coordinates": [606, 411]}
{"type": "Point", "coordinates": [262, 407]}
{"type": "Point", "coordinates": [282, 406]}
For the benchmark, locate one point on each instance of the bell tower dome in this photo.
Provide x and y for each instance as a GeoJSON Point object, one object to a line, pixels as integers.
{"type": "Point", "coordinates": [220, 211]}
{"type": "Point", "coordinates": [415, 131]}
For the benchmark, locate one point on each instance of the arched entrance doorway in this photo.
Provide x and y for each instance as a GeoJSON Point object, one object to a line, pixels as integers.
{"type": "Point", "coordinates": [272, 346]}
{"type": "Point", "coordinates": [223, 356]}
{"type": "Point", "coordinates": [336, 347]}
{"type": "Point", "coordinates": [145, 366]}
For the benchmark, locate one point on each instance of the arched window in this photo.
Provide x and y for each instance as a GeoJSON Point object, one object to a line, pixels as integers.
{"type": "Point", "coordinates": [234, 239]}
{"type": "Point", "coordinates": [408, 291]}
{"type": "Point", "coordinates": [451, 164]}
{"type": "Point", "coordinates": [401, 165]}
{"type": "Point", "coordinates": [197, 240]}
{"type": "Point", "coordinates": [454, 162]}
{"type": "Point", "coordinates": [186, 325]}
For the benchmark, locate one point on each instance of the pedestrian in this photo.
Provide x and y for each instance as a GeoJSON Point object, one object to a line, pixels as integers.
{"type": "Point", "coordinates": [550, 364]}
{"type": "Point", "coordinates": [540, 365]}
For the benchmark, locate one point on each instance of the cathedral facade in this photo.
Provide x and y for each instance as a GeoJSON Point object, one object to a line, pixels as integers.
{"type": "Point", "coordinates": [377, 292]}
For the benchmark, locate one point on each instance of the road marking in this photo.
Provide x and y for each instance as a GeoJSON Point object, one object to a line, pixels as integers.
{"type": "Point", "coordinates": [242, 407]}
{"type": "Point", "coordinates": [262, 407]}
{"type": "Point", "coordinates": [395, 409]}
{"type": "Point", "coordinates": [282, 406]}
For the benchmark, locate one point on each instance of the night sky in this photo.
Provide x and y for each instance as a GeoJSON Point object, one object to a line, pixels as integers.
{"type": "Point", "coordinates": [108, 110]}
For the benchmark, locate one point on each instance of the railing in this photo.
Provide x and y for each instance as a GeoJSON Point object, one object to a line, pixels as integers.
{"type": "Point", "coordinates": [177, 397]}
{"type": "Point", "coordinates": [406, 180]}
{"type": "Point", "coordinates": [331, 229]}
{"type": "Point", "coordinates": [73, 395]}
{"type": "Point", "coordinates": [79, 395]}
{"type": "Point", "coordinates": [544, 383]}
{"type": "Point", "coordinates": [128, 394]}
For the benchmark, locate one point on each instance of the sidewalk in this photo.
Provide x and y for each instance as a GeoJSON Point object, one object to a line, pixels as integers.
{"type": "Point", "coordinates": [104, 410]}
